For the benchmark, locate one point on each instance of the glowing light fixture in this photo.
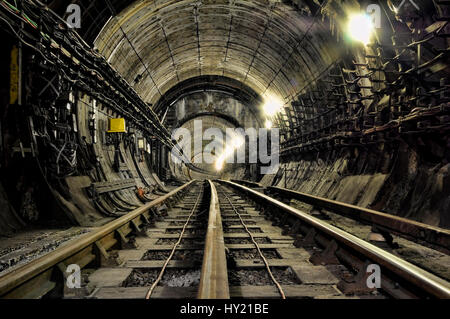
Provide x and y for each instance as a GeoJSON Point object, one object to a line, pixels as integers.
{"type": "Point", "coordinates": [237, 141]}
{"type": "Point", "coordinates": [272, 106]}
{"type": "Point", "coordinates": [268, 124]}
{"type": "Point", "coordinates": [219, 164]}
{"type": "Point", "coordinates": [360, 28]}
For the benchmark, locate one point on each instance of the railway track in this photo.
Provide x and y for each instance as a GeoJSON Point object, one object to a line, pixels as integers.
{"type": "Point", "coordinates": [217, 241]}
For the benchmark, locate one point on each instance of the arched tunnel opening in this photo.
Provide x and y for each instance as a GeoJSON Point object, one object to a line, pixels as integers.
{"type": "Point", "coordinates": [335, 109]}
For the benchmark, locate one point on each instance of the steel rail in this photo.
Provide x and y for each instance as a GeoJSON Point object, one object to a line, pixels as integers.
{"type": "Point", "coordinates": [420, 278]}
{"type": "Point", "coordinates": [214, 274]}
{"type": "Point", "coordinates": [434, 235]}
{"type": "Point", "coordinates": [31, 270]}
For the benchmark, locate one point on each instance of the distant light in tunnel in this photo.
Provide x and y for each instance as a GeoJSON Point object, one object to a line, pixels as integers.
{"type": "Point", "coordinates": [360, 28]}
{"type": "Point", "coordinates": [268, 124]}
{"type": "Point", "coordinates": [272, 106]}
{"type": "Point", "coordinates": [221, 159]}
{"type": "Point", "coordinates": [238, 141]}
{"type": "Point", "coordinates": [219, 164]}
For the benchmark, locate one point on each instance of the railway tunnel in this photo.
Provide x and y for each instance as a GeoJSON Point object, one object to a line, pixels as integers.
{"type": "Point", "coordinates": [285, 125]}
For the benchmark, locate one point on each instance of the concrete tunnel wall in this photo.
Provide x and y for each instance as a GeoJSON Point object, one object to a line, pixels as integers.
{"type": "Point", "coordinates": [296, 52]}
{"type": "Point", "coordinates": [255, 42]}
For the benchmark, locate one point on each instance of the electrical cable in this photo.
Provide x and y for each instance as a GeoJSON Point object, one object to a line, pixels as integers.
{"type": "Point", "coordinates": [90, 62]}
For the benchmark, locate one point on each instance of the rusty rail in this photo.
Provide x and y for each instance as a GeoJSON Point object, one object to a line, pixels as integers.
{"type": "Point", "coordinates": [414, 275]}
{"type": "Point", "coordinates": [438, 237]}
{"type": "Point", "coordinates": [214, 275]}
{"type": "Point", "coordinates": [247, 183]}
{"type": "Point", "coordinates": [43, 266]}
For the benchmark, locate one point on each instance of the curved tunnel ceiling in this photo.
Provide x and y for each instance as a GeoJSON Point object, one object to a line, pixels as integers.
{"type": "Point", "coordinates": [269, 46]}
{"type": "Point", "coordinates": [228, 86]}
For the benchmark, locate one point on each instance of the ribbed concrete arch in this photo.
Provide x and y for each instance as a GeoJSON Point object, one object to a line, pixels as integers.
{"type": "Point", "coordinates": [259, 43]}
{"type": "Point", "coordinates": [206, 122]}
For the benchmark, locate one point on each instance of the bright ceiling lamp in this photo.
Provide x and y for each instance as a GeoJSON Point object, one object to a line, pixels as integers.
{"type": "Point", "coordinates": [272, 106]}
{"type": "Point", "coordinates": [360, 28]}
{"type": "Point", "coordinates": [268, 124]}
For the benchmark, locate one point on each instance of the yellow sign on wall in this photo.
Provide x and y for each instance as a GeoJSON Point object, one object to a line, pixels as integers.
{"type": "Point", "coordinates": [14, 76]}
{"type": "Point", "coordinates": [117, 125]}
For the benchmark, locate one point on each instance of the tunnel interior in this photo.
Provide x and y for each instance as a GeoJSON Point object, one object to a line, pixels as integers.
{"type": "Point", "coordinates": [361, 123]}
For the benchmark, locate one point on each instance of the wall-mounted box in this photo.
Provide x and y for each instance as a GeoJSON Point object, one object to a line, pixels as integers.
{"type": "Point", "coordinates": [117, 125]}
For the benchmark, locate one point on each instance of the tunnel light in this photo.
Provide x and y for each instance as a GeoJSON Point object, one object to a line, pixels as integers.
{"type": "Point", "coordinates": [360, 28]}
{"type": "Point", "coordinates": [272, 106]}
{"type": "Point", "coordinates": [268, 124]}
{"type": "Point", "coordinates": [228, 151]}
{"type": "Point", "coordinates": [219, 164]}
{"type": "Point", "coordinates": [237, 141]}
